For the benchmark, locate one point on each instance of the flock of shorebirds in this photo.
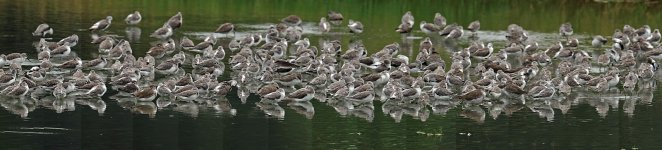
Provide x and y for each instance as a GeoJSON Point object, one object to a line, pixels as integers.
{"type": "Point", "coordinates": [280, 65]}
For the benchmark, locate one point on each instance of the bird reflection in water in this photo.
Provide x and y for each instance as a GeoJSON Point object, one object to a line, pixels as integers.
{"type": "Point", "coordinates": [18, 106]}
{"type": "Point", "coordinates": [364, 110]}
{"type": "Point", "coordinates": [133, 33]}
{"type": "Point", "coordinates": [145, 108]}
{"type": "Point", "coordinates": [271, 108]}
{"type": "Point", "coordinates": [475, 113]}
{"type": "Point", "coordinates": [188, 108]}
{"type": "Point", "coordinates": [94, 103]}
{"type": "Point", "coordinates": [303, 107]}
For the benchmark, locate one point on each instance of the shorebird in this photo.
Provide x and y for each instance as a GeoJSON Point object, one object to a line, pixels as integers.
{"type": "Point", "coordinates": [324, 25]}
{"type": "Point", "coordinates": [147, 94]}
{"type": "Point", "coordinates": [45, 65]}
{"type": "Point", "coordinates": [218, 53]}
{"type": "Point", "coordinates": [455, 79]}
{"type": "Point", "coordinates": [99, 63]}
{"type": "Point", "coordinates": [71, 64]}
{"type": "Point", "coordinates": [46, 45]}
{"type": "Point", "coordinates": [186, 43]}
{"type": "Point", "coordinates": [641, 44]}
{"type": "Point", "coordinates": [472, 48]}
{"type": "Point", "coordinates": [355, 27]}
{"type": "Point", "coordinates": [42, 30]}
{"type": "Point", "coordinates": [552, 50]}
{"type": "Point", "coordinates": [343, 91]}
{"type": "Point", "coordinates": [613, 77]}
{"type": "Point", "coordinates": [655, 36]}
{"type": "Point", "coordinates": [603, 59]}
{"type": "Point", "coordinates": [98, 90]}
{"type": "Point", "coordinates": [122, 81]}
{"type": "Point", "coordinates": [175, 22]}
{"type": "Point", "coordinates": [157, 51]}
{"type": "Point", "coordinates": [614, 55]}
{"type": "Point", "coordinates": [61, 51]}
{"type": "Point", "coordinates": [305, 43]}
{"type": "Point", "coordinates": [164, 88]}
{"type": "Point", "coordinates": [516, 34]}
{"type": "Point", "coordinates": [204, 46]}
{"type": "Point", "coordinates": [572, 42]}
{"type": "Point", "coordinates": [564, 53]}
{"type": "Point", "coordinates": [8, 78]}
{"type": "Point", "coordinates": [59, 91]}
{"type": "Point", "coordinates": [79, 75]}
{"type": "Point", "coordinates": [412, 92]}
{"type": "Point", "coordinates": [37, 75]}
{"type": "Point", "coordinates": [441, 91]}
{"type": "Point", "coordinates": [565, 30]}
{"type": "Point", "coordinates": [164, 32]}
{"type": "Point", "coordinates": [277, 95]}
{"type": "Point", "coordinates": [646, 70]}
{"type": "Point", "coordinates": [335, 17]}
{"type": "Point", "coordinates": [644, 31]}
{"type": "Point", "coordinates": [474, 27]}
{"type": "Point", "coordinates": [186, 80]}
{"type": "Point", "coordinates": [17, 58]}
{"type": "Point", "coordinates": [72, 40]}
{"type": "Point", "coordinates": [19, 90]}
{"type": "Point", "coordinates": [619, 37]}
{"type": "Point", "coordinates": [188, 95]}
{"type": "Point", "coordinates": [93, 76]}
{"type": "Point", "coordinates": [267, 88]}
{"type": "Point", "coordinates": [598, 41]}
{"type": "Point", "coordinates": [319, 81]}
{"type": "Point", "coordinates": [439, 20]}
{"type": "Point", "coordinates": [408, 19]}
{"type": "Point", "coordinates": [304, 94]}
{"type": "Point", "coordinates": [102, 24]}
{"type": "Point", "coordinates": [630, 81]}
{"type": "Point", "coordinates": [168, 67]}
{"type": "Point", "coordinates": [133, 18]}
{"type": "Point", "coordinates": [426, 44]}
{"type": "Point", "coordinates": [362, 97]}
{"type": "Point", "coordinates": [378, 77]}
{"type": "Point", "coordinates": [655, 54]}
{"type": "Point", "coordinates": [598, 85]}
{"type": "Point", "coordinates": [291, 20]}
{"type": "Point", "coordinates": [511, 88]}
{"type": "Point", "coordinates": [404, 27]}
{"type": "Point", "coordinates": [225, 28]}
{"type": "Point", "coordinates": [627, 59]}
{"type": "Point", "coordinates": [531, 48]}
{"type": "Point", "coordinates": [429, 28]}
{"type": "Point", "coordinates": [335, 86]}
{"type": "Point", "coordinates": [543, 91]}
{"type": "Point", "coordinates": [362, 86]}
{"type": "Point", "coordinates": [472, 97]}
{"type": "Point", "coordinates": [116, 52]}
{"type": "Point", "coordinates": [448, 29]}
{"type": "Point", "coordinates": [455, 33]}
{"type": "Point", "coordinates": [484, 53]}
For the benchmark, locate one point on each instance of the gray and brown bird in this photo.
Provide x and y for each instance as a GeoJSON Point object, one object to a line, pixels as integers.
{"type": "Point", "coordinates": [102, 24]}
{"type": "Point", "coordinates": [225, 28]}
{"type": "Point", "coordinates": [133, 18]}
{"type": "Point", "coordinates": [42, 30]}
{"type": "Point", "coordinates": [566, 30]}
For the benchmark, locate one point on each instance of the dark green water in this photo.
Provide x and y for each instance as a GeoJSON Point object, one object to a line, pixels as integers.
{"type": "Point", "coordinates": [630, 121]}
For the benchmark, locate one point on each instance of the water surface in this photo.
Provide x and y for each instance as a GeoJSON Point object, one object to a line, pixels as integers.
{"type": "Point", "coordinates": [608, 121]}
